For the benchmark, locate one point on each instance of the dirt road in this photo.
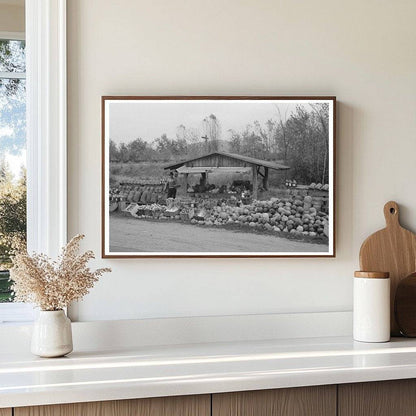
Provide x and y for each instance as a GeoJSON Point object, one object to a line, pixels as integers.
{"type": "Point", "coordinates": [135, 235]}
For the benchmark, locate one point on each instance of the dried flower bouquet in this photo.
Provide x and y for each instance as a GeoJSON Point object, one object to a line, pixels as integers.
{"type": "Point", "coordinates": [53, 285]}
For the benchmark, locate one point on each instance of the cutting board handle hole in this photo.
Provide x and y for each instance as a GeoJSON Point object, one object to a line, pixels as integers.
{"type": "Point", "coordinates": [391, 213]}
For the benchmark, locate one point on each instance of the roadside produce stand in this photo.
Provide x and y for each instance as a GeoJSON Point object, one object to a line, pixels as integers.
{"type": "Point", "coordinates": [227, 162]}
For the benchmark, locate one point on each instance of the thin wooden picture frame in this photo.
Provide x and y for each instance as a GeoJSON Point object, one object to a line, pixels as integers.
{"type": "Point", "coordinates": [107, 252]}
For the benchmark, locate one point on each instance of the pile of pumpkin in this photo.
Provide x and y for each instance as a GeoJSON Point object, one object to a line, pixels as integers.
{"type": "Point", "coordinates": [295, 216]}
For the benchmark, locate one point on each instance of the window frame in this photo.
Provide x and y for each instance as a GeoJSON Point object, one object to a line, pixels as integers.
{"type": "Point", "coordinates": [46, 137]}
{"type": "Point", "coordinates": [12, 35]}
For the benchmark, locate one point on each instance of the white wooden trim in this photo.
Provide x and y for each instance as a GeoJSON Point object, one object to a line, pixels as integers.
{"type": "Point", "coordinates": [12, 75]}
{"type": "Point", "coordinates": [12, 35]}
{"type": "Point", "coordinates": [46, 124]}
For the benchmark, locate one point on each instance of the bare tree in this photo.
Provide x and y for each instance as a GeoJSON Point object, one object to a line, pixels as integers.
{"type": "Point", "coordinates": [181, 132]}
{"type": "Point", "coordinates": [321, 110]}
{"type": "Point", "coordinates": [212, 132]}
{"type": "Point", "coordinates": [282, 123]}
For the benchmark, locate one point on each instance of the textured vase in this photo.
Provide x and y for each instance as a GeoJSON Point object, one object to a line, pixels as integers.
{"type": "Point", "coordinates": [52, 334]}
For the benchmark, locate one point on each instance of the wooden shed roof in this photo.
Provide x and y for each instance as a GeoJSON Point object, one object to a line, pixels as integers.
{"type": "Point", "coordinates": [209, 169]}
{"type": "Point", "coordinates": [237, 157]}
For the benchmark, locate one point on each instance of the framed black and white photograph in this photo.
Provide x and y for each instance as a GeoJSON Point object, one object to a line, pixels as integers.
{"type": "Point", "coordinates": [218, 176]}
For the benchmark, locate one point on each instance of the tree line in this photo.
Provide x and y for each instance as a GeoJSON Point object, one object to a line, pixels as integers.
{"type": "Point", "coordinates": [299, 139]}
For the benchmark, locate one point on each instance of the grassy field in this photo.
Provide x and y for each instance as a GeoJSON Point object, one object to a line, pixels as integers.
{"type": "Point", "coordinates": [128, 172]}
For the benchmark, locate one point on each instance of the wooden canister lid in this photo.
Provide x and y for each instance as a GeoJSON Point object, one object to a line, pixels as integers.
{"type": "Point", "coordinates": [372, 275]}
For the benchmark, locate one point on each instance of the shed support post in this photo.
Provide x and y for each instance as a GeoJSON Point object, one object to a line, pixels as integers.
{"type": "Point", "coordinates": [266, 179]}
{"type": "Point", "coordinates": [204, 178]}
{"type": "Point", "coordinates": [254, 169]}
{"type": "Point", "coordinates": [186, 182]}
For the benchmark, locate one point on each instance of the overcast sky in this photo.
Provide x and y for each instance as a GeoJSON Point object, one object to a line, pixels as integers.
{"type": "Point", "coordinates": [150, 119]}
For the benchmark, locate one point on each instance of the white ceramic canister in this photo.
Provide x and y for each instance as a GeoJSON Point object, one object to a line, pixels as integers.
{"type": "Point", "coordinates": [52, 334]}
{"type": "Point", "coordinates": [371, 313]}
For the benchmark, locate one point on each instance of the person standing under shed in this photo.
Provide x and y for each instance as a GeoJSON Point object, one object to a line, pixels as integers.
{"type": "Point", "coordinates": [172, 184]}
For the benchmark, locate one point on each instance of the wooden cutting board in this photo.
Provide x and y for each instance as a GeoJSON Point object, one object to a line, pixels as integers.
{"type": "Point", "coordinates": [405, 306]}
{"type": "Point", "coordinates": [393, 250]}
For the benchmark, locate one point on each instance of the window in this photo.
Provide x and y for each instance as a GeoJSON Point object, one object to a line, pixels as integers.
{"type": "Point", "coordinates": [45, 90]}
{"type": "Point", "coordinates": [12, 153]}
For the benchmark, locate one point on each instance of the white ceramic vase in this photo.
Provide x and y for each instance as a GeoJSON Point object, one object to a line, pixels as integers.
{"type": "Point", "coordinates": [52, 334]}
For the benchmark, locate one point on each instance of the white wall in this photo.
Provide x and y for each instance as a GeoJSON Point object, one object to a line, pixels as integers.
{"type": "Point", "coordinates": [361, 51]}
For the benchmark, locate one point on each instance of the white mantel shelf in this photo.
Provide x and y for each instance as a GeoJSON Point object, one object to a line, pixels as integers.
{"type": "Point", "coordinates": [152, 371]}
